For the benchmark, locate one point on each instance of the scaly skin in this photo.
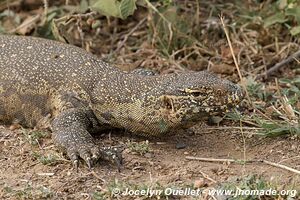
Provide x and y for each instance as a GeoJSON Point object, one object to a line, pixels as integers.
{"type": "Point", "coordinates": [45, 83]}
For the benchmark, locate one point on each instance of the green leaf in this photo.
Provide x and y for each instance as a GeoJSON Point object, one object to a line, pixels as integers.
{"type": "Point", "coordinates": [127, 8]}
{"type": "Point", "coordinates": [276, 18]}
{"type": "Point", "coordinates": [84, 5]}
{"type": "Point", "coordinates": [295, 30]}
{"type": "Point", "coordinates": [115, 8]}
{"type": "Point", "coordinates": [51, 16]}
{"type": "Point", "coordinates": [282, 4]}
{"type": "Point", "coordinates": [106, 7]}
{"type": "Point", "coordinates": [278, 131]}
{"type": "Point", "coordinates": [295, 12]}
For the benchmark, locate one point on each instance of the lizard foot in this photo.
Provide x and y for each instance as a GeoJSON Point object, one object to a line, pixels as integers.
{"type": "Point", "coordinates": [88, 152]}
{"type": "Point", "coordinates": [70, 131]}
{"type": "Point", "coordinates": [80, 144]}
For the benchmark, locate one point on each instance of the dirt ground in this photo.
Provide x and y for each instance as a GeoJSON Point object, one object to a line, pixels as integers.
{"type": "Point", "coordinates": [24, 176]}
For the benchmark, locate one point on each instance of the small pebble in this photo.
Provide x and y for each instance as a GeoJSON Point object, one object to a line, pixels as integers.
{"type": "Point", "coordinates": [148, 155]}
{"type": "Point", "coordinates": [180, 145]}
{"type": "Point", "coordinates": [199, 183]}
{"type": "Point", "coordinates": [214, 120]}
{"type": "Point", "coordinates": [14, 127]}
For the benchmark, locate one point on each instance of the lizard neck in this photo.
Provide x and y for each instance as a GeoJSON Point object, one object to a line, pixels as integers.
{"type": "Point", "coordinates": [130, 102]}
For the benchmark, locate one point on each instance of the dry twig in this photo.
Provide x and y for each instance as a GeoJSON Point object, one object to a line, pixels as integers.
{"type": "Point", "coordinates": [29, 22]}
{"type": "Point", "coordinates": [279, 65]}
{"type": "Point", "coordinates": [235, 61]}
{"type": "Point", "coordinates": [130, 33]}
{"type": "Point", "coordinates": [244, 161]}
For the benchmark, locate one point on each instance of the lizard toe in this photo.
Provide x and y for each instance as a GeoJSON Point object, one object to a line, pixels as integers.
{"type": "Point", "coordinates": [95, 153]}
{"type": "Point", "coordinates": [75, 165]}
{"type": "Point", "coordinates": [87, 154]}
{"type": "Point", "coordinates": [89, 162]}
{"type": "Point", "coordinates": [74, 156]}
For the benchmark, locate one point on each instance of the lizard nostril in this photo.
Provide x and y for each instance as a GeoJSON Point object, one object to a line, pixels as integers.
{"type": "Point", "coordinates": [196, 94]}
{"type": "Point", "coordinates": [219, 92]}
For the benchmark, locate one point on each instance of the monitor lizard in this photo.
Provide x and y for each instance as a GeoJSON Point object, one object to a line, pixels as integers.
{"type": "Point", "coordinates": [45, 83]}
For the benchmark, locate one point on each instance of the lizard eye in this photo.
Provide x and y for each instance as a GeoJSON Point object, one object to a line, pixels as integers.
{"type": "Point", "coordinates": [192, 92]}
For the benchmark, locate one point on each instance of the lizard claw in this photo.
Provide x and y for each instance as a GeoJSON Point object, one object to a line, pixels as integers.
{"type": "Point", "coordinates": [74, 158]}
{"type": "Point", "coordinates": [88, 152]}
{"type": "Point", "coordinates": [119, 164]}
{"type": "Point", "coordinates": [89, 163]}
{"type": "Point", "coordinates": [75, 165]}
{"type": "Point", "coordinates": [80, 144]}
{"type": "Point", "coordinates": [85, 154]}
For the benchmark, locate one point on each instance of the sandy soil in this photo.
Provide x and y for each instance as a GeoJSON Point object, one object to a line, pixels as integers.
{"type": "Point", "coordinates": [164, 165]}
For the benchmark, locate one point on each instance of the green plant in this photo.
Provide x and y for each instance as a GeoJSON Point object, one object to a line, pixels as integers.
{"type": "Point", "coordinates": [45, 159]}
{"type": "Point", "coordinates": [288, 13]}
{"type": "Point", "coordinates": [139, 147]}
{"type": "Point", "coordinates": [254, 187]}
{"type": "Point", "coordinates": [275, 114]}
{"type": "Point", "coordinates": [115, 8]}
{"type": "Point", "coordinates": [34, 137]}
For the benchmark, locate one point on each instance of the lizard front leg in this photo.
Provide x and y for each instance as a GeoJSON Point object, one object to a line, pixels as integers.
{"type": "Point", "coordinates": [71, 132]}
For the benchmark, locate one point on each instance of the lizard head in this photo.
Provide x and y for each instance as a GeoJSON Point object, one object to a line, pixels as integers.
{"type": "Point", "coordinates": [190, 97]}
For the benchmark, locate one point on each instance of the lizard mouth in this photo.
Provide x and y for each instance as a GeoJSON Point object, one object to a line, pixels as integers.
{"type": "Point", "coordinates": [235, 97]}
{"type": "Point", "coordinates": [231, 102]}
{"type": "Point", "coordinates": [219, 111]}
